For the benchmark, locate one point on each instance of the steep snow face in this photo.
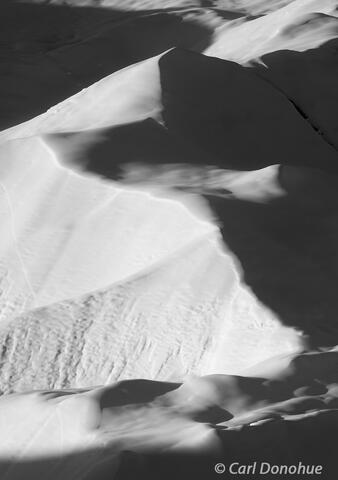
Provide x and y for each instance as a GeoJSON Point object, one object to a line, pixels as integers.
{"type": "Point", "coordinates": [128, 95]}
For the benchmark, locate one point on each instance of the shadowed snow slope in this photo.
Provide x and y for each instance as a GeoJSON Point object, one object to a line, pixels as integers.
{"type": "Point", "coordinates": [308, 79]}
{"type": "Point", "coordinates": [168, 258]}
{"type": "Point", "coordinates": [236, 116]}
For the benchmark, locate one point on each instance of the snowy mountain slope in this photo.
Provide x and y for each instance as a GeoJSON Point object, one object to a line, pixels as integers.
{"type": "Point", "coordinates": [176, 219]}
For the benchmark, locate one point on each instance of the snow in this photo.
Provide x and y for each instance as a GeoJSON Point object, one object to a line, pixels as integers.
{"type": "Point", "coordinates": [157, 297]}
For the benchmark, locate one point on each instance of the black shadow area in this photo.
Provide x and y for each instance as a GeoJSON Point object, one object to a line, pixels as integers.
{"type": "Point", "coordinates": [230, 112]}
{"type": "Point", "coordinates": [309, 80]}
{"type": "Point", "coordinates": [115, 152]}
{"type": "Point", "coordinates": [288, 256]}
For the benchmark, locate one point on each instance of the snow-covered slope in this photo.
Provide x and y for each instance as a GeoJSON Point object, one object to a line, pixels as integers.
{"type": "Point", "coordinates": [175, 221]}
{"type": "Point", "coordinates": [298, 26]}
{"type": "Point", "coordinates": [95, 233]}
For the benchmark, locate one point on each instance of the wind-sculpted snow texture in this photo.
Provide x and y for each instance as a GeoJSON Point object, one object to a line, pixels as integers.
{"type": "Point", "coordinates": [168, 254]}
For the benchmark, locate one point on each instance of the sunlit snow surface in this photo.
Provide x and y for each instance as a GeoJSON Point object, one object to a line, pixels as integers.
{"type": "Point", "coordinates": [111, 279]}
